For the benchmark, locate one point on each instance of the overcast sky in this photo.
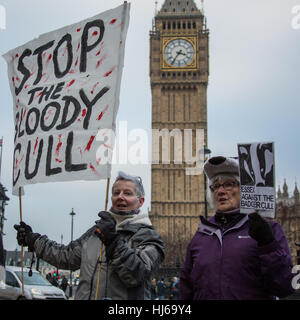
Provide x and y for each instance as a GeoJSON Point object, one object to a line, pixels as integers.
{"type": "Point", "coordinates": [253, 96]}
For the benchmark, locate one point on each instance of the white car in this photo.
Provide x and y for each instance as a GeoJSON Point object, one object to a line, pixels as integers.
{"type": "Point", "coordinates": [35, 287]}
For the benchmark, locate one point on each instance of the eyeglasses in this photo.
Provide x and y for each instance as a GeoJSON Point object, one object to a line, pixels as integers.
{"type": "Point", "coordinates": [226, 185]}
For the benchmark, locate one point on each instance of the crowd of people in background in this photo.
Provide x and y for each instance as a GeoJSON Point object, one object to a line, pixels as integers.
{"type": "Point", "coordinates": [165, 290]}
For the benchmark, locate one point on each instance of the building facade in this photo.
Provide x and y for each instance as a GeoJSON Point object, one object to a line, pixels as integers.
{"type": "Point", "coordinates": [179, 70]}
{"type": "Point", "coordinates": [288, 215]}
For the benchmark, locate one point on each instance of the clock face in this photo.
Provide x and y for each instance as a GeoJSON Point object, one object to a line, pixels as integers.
{"type": "Point", "coordinates": [179, 52]}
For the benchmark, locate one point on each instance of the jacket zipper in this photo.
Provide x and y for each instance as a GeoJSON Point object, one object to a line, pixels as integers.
{"type": "Point", "coordinates": [221, 267]}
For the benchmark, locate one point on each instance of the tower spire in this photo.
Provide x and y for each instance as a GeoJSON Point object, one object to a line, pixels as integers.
{"type": "Point", "coordinates": [285, 190]}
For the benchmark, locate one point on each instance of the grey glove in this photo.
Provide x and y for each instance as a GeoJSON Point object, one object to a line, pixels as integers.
{"type": "Point", "coordinates": [25, 236]}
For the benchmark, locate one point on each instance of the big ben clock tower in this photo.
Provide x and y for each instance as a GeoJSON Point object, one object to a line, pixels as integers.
{"type": "Point", "coordinates": [179, 70]}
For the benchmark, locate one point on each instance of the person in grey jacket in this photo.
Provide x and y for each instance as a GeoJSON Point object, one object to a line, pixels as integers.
{"type": "Point", "coordinates": [132, 249]}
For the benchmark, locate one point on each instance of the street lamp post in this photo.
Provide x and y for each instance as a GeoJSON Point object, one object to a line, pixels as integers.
{"type": "Point", "coordinates": [206, 152]}
{"type": "Point", "coordinates": [72, 214]}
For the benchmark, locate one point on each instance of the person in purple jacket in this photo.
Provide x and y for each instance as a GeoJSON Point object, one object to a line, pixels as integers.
{"type": "Point", "coordinates": [234, 256]}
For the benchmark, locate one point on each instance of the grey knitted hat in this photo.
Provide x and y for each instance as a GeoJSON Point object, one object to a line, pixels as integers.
{"type": "Point", "coordinates": [221, 165]}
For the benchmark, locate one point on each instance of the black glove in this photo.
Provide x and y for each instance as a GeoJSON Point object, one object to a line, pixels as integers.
{"type": "Point", "coordinates": [106, 228]}
{"type": "Point", "coordinates": [25, 236]}
{"type": "Point", "coordinates": [260, 229]}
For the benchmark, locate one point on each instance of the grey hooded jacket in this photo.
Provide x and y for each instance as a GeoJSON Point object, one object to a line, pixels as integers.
{"type": "Point", "coordinates": [138, 253]}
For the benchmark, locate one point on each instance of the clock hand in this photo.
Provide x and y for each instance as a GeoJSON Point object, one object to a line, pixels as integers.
{"type": "Point", "coordinates": [180, 52]}
{"type": "Point", "coordinates": [175, 58]}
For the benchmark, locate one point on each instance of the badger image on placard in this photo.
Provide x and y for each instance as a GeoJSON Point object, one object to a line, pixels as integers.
{"type": "Point", "coordinates": [256, 164]}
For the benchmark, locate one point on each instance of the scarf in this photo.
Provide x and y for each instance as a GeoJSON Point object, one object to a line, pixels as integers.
{"type": "Point", "coordinates": [132, 216]}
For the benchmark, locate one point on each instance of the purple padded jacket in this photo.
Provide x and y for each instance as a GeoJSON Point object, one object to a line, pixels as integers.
{"type": "Point", "coordinates": [228, 264]}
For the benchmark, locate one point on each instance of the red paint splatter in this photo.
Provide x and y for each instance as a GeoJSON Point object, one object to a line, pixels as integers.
{"type": "Point", "coordinates": [13, 80]}
{"type": "Point", "coordinates": [101, 47]}
{"type": "Point", "coordinates": [49, 58]}
{"type": "Point", "coordinates": [78, 29]}
{"type": "Point", "coordinates": [41, 92]}
{"type": "Point", "coordinates": [88, 147]}
{"type": "Point", "coordinates": [93, 169]}
{"type": "Point", "coordinates": [94, 87]}
{"type": "Point", "coordinates": [99, 160]}
{"type": "Point", "coordinates": [58, 160]}
{"type": "Point", "coordinates": [100, 61]}
{"type": "Point", "coordinates": [78, 46]}
{"type": "Point", "coordinates": [35, 145]}
{"type": "Point", "coordinates": [83, 113]}
{"type": "Point", "coordinates": [17, 55]}
{"type": "Point", "coordinates": [58, 145]}
{"type": "Point", "coordinates": [113, 21]}
{"type": "Point", "coordinates": [66, 48]}
{"type": "Point", "coordinates": [70, 83]}
{"type": "Point", "coordinates": [18, 79]}
{"type": "Point", "coordinates": [26, 86]}
{"type": "Point", "coordinates": [76, 62]}
{"type": "Point", "coordinates": [17, 104]}
{"type": "Point", "coordinates": [109, 72]}
{"type": "Point", "coordinates": [107, 146]}
{"type": "Point", "coordinates": [95, 33]}
{"type": "Point", "coordinates": [18, 162]}
{"type": "Point", "coordinates": [102, 113]}
{"type": "Point", "coordinates": [72, 71]}
{"type": "Point", "coordinates": [44, 55]}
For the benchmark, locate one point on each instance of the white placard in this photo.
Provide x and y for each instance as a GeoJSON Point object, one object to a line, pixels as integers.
{"type": "Point", "coordinates": [256, 161]}
{"type": "Point", "coordinates": [65, 86]}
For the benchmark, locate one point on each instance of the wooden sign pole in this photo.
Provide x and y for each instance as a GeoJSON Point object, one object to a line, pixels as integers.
{"type": "Point", "coordinates": [101, 244]}
{"type": "Point", "coordinates": [22, 248]}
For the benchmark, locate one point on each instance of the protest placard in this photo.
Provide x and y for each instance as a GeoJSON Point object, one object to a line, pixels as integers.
{"type": "Point", "coordinates": [65, 86]}
{"type": "Point", "coordinates": [256, 161]}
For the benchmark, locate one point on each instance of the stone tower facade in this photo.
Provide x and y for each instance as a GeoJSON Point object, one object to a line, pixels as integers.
{"type": "Point", "coordinates": [288, 215]}
{"type": "Point", "coordinates": [179, 70]}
